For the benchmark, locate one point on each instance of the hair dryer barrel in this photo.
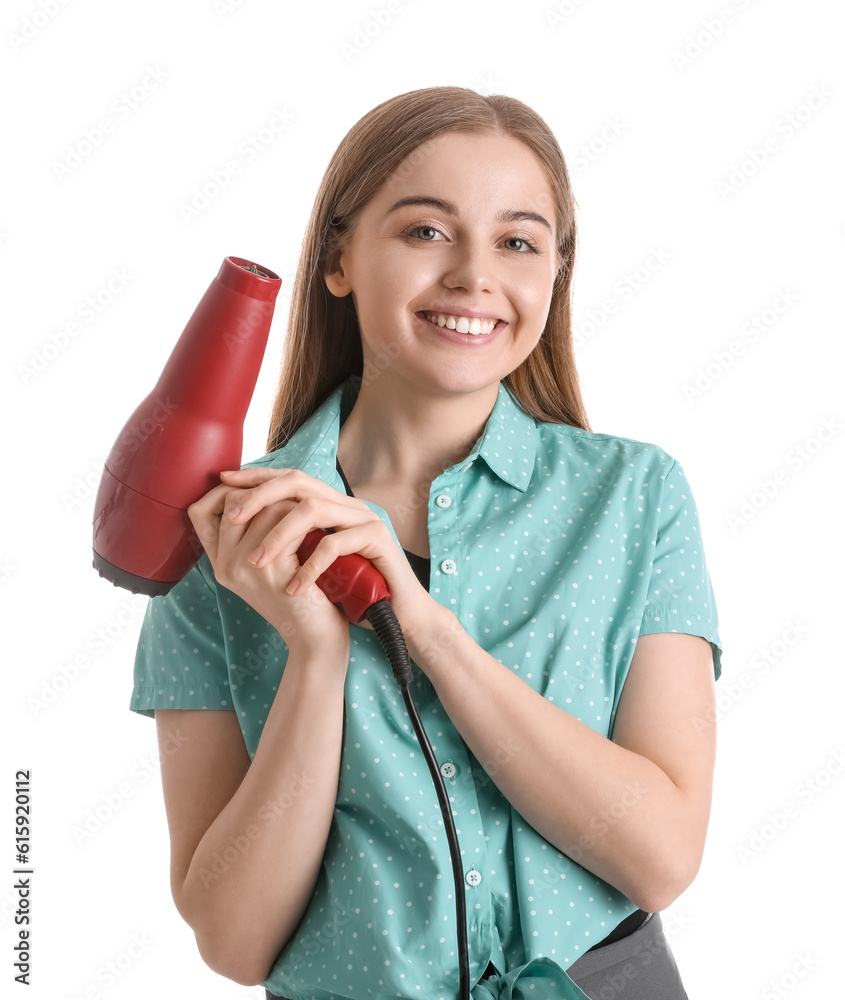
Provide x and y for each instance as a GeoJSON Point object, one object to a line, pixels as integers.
{"type": "Point", "coordinates": [172, 449]}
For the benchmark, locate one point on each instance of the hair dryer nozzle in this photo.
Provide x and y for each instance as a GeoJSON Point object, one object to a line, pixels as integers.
{"type": "Point", "coordinates": [254, 269]}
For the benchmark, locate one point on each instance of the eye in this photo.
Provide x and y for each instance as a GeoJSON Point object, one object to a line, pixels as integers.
{"type": "Point", "coordinates": [424, 229]}
{"type": "Point", "coordinates": [528, 246]}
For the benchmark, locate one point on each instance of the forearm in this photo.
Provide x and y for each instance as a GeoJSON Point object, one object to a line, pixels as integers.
{"type": "Point", "coordinates": [613, 811]}
{"type": "Point", "coordinates": [254, 870]}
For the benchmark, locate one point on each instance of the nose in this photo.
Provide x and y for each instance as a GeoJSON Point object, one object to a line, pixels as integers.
{"type": "Point", "coordinates": [470, 265]}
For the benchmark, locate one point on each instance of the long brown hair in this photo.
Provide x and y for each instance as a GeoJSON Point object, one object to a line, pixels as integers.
{"type": "Point", "coordinates": [323, 343]}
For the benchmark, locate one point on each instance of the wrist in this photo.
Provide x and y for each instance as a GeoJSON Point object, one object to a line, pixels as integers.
{"type": "Point", "coordinates": [307, 623]}
{"type": "Point", "coordinates": [433, 639]}
{"type": "Point", "coordinates": [320, 646]}
{"type": "Point", "coordinates": [325, 663]}
{"type": "Point", "coordinates": [308, 644]}
{"type": "Point", "coordinates": [327, 657]}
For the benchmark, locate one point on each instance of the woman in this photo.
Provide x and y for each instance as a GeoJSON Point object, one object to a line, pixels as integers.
{"type": "Point", "coordinates": [550, 582]}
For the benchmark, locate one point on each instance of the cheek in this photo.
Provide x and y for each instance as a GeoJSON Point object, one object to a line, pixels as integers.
{"type": "Point", "coordinates": [381, 305]}
{"type": "Point", "coordinates": [535, 300]}
{"type": "Point", "coordinates": [395, 288]}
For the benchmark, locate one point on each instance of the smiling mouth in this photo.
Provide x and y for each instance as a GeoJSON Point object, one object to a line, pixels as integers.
{"type": "Point", "coordinates": [462, 324]}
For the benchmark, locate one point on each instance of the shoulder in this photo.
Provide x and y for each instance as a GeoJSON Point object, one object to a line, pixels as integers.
{"type": "Point", "coordinates": [313, 446]}
{"type": "Point", "coordinates": [599, 452]}
{"type": "Point", "coordinates": [287, 457]}
{"type": "Point", "coordinates": [304, 448]}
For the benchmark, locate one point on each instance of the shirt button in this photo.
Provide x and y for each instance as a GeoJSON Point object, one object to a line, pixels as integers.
{"type": "Point", "coordinates": [449, 566]}
{"type": "Point", "coordinates": [448, 770]}
{"type": "Point", "coordinates": [473, 877]}
{"type": "Point", "coordinates": [443, 501]}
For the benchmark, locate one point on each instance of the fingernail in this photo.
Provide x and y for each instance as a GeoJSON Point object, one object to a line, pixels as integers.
{"type": "Point", "coordinates": [233, 513]}
{"type": "Point", "coordinates": [256, 555]}
{"type": "Point", "coordinates": [293, 586]}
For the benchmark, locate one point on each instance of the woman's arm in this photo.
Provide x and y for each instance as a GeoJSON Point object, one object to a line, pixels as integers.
{"type": "Point", "coordinates": [634, 810]}
{"type": "Point", "coordinates": [247, 839]}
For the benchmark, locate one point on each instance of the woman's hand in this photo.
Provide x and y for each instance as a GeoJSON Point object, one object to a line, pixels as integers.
{"type": "Point", "coordinates": [232, 523]}
{"type": "Point", "coordinates": [308, 503]}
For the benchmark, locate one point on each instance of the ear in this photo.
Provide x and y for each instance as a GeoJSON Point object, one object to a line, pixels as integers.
{"type": "Point", "coordinates": [333, 275]}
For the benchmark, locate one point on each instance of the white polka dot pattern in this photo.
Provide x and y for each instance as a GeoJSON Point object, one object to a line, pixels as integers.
{"type": "Point", "coordinates": [557, 548]}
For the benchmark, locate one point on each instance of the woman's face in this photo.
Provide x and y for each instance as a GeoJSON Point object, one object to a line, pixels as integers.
{"type": "Point", "coordinates": [463, 230]}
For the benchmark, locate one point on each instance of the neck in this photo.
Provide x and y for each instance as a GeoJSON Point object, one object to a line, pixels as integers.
{"type": "Point", "coordinates": [398, 434]}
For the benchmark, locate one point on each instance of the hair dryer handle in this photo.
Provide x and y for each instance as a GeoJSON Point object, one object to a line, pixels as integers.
{"type": "Point", "coordinates": [351, 581]}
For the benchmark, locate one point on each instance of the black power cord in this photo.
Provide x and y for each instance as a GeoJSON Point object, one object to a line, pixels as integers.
{"type": "Point", "coordinates": [386, 626]}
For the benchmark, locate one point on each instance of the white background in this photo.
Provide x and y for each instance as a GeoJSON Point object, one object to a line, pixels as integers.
{"type": "Point", "coordinates": [656, 141]}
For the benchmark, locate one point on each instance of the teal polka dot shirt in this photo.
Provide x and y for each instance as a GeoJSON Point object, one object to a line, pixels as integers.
{"type": "Point", "coordinates": [556, 548]}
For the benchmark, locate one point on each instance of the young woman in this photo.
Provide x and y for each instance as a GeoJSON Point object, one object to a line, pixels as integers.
{"type": "Point", "coordinates": [550, 582]}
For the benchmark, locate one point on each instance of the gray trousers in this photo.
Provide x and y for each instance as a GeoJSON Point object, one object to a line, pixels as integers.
{"type": "Point", "coordinates": [639, 966]}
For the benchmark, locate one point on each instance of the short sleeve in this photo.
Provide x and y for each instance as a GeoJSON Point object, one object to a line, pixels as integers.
{"type": "Point", "coordinates": [680, 595]}
{"type": "Point", "coordinates": [181, 661]}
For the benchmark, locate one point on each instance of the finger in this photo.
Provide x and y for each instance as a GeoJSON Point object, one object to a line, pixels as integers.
{"type": "Point", "coordinates": [247, 478]}
{"type": "Point", "coordinates": [352, 540]}
{"type": "Point", "coordinates": [358, 539]}
{"type": "Point", "coordinates": [260, 487]}
{"type": "Point", "coordinates": [243, 481]}
{"type": "Point", "coordinates": [204, 515]}
{"type": "Point", "coordinates": [240, 481]}
{"type": "Point", "coordinates": [312, 512]}
{"type": "Point", "coordinates": [252, 473]}
{"type": "Point", "coordinates": [210, 503]}
{"type": "Point", "coordinates": [206, 511]}
{"type": "Point", "coordinates": [250, 535]}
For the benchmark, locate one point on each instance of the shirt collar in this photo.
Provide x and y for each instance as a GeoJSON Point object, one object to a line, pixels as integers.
{"type": "Point", "coordinates": [508, 443]}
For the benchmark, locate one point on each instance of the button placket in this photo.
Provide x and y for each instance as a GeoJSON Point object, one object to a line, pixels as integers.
{"type": "Point", "coordinates": [455, 765]}
{"type": "Point", "coordinates": [444, 538]}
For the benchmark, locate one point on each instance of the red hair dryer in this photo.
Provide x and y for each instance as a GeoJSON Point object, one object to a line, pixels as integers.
{"type": "Point", "coordinates": [188, 428]}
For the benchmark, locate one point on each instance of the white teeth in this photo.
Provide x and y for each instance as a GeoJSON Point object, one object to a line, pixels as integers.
{"type": "Point", "coordinates": [462, 324]}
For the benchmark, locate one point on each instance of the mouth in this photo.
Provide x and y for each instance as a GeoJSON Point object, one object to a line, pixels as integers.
{"type": "Point", "coordinates": [472, 326]}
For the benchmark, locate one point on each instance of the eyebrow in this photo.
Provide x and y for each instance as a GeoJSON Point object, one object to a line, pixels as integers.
{"type": "Point", "coordinates": [509, 215]}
